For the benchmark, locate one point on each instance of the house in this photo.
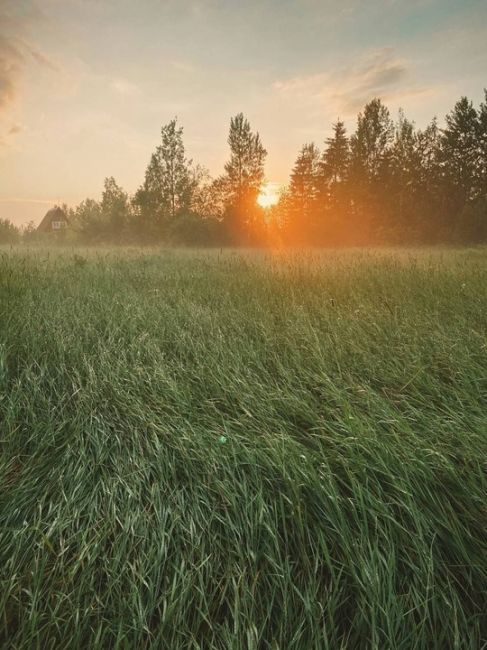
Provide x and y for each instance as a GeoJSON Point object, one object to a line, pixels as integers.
{"type": "Point", "coordinates": [55, 220]}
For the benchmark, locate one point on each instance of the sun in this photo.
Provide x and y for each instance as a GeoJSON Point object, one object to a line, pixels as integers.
{"type": "Point", "coordinates": [269, 195]}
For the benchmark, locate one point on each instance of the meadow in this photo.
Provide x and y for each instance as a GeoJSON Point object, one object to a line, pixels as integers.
{"type": "Point", "coordinates": [243, 450]}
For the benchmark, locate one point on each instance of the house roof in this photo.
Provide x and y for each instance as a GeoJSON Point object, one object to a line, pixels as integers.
{"type": "Point", "coordinates": [54, 214]}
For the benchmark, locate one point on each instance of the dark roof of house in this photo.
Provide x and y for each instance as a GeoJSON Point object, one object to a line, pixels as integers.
{"type": "Point", "coordinates": [54, 214]}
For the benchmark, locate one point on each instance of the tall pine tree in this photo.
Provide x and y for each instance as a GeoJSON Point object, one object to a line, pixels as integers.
{"type": "Point", "coordinates": [370, 169]}
{"type": "Point", "coordinates": [460, 155]}
{"type": "Point", "coordinates": [336, 156]}
{"type": "Point", "coordinates": [334, 172]}
{"type": "Point", "coordinates": [302, 199]}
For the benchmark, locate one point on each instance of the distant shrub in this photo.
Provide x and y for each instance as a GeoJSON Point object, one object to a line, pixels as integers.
{"type": "Point", "coordinates": [189, 229]}
{"type": "Point", "coordinates": [9, 233]}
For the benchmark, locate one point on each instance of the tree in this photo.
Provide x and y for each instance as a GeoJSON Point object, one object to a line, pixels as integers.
{"type": "Point", "coordinates": [244, 174]}
{"type": "Point", "coordinates": [405, 162]}
{"type": "Point", "coordinates": [371, 143]}
{"type": "Point", "coordinates": [88, 223]}
{"type": "Point", "coordinates": [370, 152]}
{"type": "Point", "coordinates": [427, 191]}
{"type": "Point", "coordinates": [336, 156]}
{"type": "Point", "coordinates": [115, 210]}
{"type": "Point", "coordinates": [334, 198]}
{"type": "Point", "coordinates": [176, 181]}
{"type": "Point", "coordinates": [302, 198]}
{"type": "Point", "coordinates": [189, 229]}
{"type": "Point", "coordinates": [460, 156]}
{"type": "Point", "coordinates": [168, 183]}
{"type": "Point", "coordinates": [464, 162]}
{"type": "Point", "coordinates": [482, 141]}
{"type": "Point", "coordinates": [208, 200]}
{"type": "Point", "coordinates": [389, 182]}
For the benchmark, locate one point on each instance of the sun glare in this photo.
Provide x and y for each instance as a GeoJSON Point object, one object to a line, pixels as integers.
{"type": "Point", "coordinates": [269, 195]}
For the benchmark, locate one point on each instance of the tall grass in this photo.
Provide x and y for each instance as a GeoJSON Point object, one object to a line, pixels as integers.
{"type": "Point", "coordinates": [243, 450]}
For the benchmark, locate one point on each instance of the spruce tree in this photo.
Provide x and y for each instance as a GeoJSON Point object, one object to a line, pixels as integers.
{"type": "Point", "coordinates": [303, 194]}
{"type": "Point", "coordinates": [370, 170]}
{"type": "Point", "coordinates": [482, 142]}
{"type": "Point", "coordinates": [336, 156]}
{"type": "Point", "coordinates": [334, 172]}
{"type": "Point", "coordinates": [460, 155]}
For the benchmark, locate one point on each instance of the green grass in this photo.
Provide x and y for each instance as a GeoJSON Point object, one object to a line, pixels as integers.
{"type": "Point", "coordinates": [243, 450]}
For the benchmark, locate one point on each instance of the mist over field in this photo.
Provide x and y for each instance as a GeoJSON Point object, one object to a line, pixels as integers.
{"type": "Point", "coordinates": [386, 183]}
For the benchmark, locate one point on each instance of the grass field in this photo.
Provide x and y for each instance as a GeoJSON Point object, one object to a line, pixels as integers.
{"type": "Point", "coordinates": [243, 450]}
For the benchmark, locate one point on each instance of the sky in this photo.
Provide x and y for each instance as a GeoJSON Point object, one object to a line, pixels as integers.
{"type": "Point", "coordinates": [85, 85]}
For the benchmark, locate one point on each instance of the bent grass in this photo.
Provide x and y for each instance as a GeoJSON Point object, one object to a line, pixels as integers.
{"type": "Point", "coordinates": [243, 450]}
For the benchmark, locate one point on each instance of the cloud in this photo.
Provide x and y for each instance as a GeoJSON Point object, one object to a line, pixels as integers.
{"type": "Point", "coordinates": [9, 134]}
{"type": "Point", "coordinates": [41, 58]}
{"type": "Point", "coordinates": [20, 200]}
{"type": "Point", "coordinates": [380, 73]}
{"type": "Point", "coordinates": [11, 63]}
{"type": "Point", "coordinates": [380, 68]}
{"type": "Point", "coordinates": [16, 50]}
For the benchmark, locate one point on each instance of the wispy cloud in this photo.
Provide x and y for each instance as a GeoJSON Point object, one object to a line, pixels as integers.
{"type": "Point", "coordinates": [380, 73]}
{"type": "Point", "coordinates": [20, 200]}
{"type": "Point", "coordinates": [16, 49]}
{"type": "Point", "coordinates": [9, 133]}
{"type": "Point", "coordinates": [11, 62]}
{"type": "Point", "coordinates": [41, 58]}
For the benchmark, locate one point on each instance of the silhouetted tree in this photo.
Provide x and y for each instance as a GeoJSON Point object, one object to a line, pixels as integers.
{"type": "Point", "coordinates": [115, 210]}
{"type": "Point", "coordinates": [370, 148]}
{"type": "Point", "coordinates": [405, 163]}
{"type": "Point", "coordinates": [88, 223]}
{"type": "Point", "coordinates": [464, 158]}
{"type": "Point", "coordinates": [302, 199]}
{"type": "Point", "coordinates": [389, 182]}
{"type": "Point", "coordinates": [459, 158]}
{"type": "Point", "coordinates": [168, 183]}
{"type": "Point", "coordinates": [244, 174]}
{"type": "Point", "coordinates": [334, 196]}
{"type": "Point", "coordinates": [482, 142]}
{"type": "Point", "coordinates": [336, 156]}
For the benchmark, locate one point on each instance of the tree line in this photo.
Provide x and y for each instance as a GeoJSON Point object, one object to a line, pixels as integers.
{"type": "Point", "coordinates": [388, 182]}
